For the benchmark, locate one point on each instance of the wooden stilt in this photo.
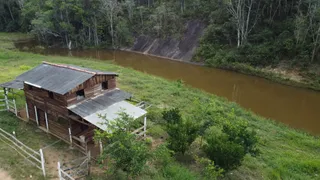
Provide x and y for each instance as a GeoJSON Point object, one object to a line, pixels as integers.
{"type": "Point", "coordinates": [6, 97]}
{"type": "Point", "coordinates": [145, 126]}
{"type": "Point", "coordinates": [36, 113]}
{"type": "Point", "coordinates": [15, 107]}
{"type": "Point", "coordinates": [70, 136]}
{"type": "Point", "coordinates": [47, 124]}
{"type": "Point", "coordinates": [27, 111]}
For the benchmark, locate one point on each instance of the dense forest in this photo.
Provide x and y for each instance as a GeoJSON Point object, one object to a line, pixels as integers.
{"type": "Point", "coordinates": [256, 32]}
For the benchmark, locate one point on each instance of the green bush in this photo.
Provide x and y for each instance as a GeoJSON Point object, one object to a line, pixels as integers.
{"type": "Point", "coordinates": [181, 132]}
{"type": "Point", "coordinates": [228, 146]}
{"type": "Point", "coordinates": [226, 154]}
{"type": "Point", "coordinates": [208, 169]}
{"type": "Point", "coordinates": [240, 134]}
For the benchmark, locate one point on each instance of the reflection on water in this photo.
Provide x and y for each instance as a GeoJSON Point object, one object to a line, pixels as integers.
{"type": "Point", "coordinates": [300, 108]}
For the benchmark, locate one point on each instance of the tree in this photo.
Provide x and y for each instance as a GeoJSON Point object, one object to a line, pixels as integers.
{"type": "Point", "coordinates": [244, 15]}
{"type": "Point", "coordinates": [181, 132]}
{"type": "Point", "coordinates": [124, 150]}
{"type": "Point", "coordinates": [111, 8]}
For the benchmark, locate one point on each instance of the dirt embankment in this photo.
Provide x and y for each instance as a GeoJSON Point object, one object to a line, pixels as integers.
{"type": "Point", "coordinates": [181, 49]}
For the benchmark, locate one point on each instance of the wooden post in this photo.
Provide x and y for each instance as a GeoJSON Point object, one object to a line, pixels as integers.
{"type": "Point", "coordinates": [47, 124]}
{"type": "Point", "coordinates": [36, 113]}
{"type": "Point", "coordinates": [42, 163]}
{"type": "Point", "coordinates": [15, 107]}
{"type": "Point", "coordinates": [59, 171]}
{"type": "Point", "coordinates": [89, 159]}
{"type": "Point", "coordinates": [145, 126]}
{"type": "Point", "coordinates": [101, 147]}
{"type": "Point", "coordinates": [27, 111]}
{"type": "Point", "coordinates": [70, 136]}
{"type": "Point", "coordinates": [6, 98]}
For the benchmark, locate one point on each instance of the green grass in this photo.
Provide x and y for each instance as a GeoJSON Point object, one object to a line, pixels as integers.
{"type": "Point", "coordinates": [285, 152]}
{"type": "Point", "coordinates": [10, 160]}
{"type": "Point", "coordinates": [6, 39]}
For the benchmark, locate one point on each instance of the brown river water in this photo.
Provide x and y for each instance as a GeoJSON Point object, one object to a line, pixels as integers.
{"type": "Point", "coordinates": [297, 107]}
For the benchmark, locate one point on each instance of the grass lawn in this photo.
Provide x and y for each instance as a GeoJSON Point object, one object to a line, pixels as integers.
{"type": "Point", "coordinates": [285, 153]}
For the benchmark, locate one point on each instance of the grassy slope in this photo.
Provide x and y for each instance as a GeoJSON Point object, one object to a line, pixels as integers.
{"type": "Point", "coordinates": [285, 152]}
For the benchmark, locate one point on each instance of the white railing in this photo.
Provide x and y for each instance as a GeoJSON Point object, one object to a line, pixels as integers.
{"type": "Point", "coordinates": [78, 168]}
{"type": "Point", "coordinates": [34, 157]}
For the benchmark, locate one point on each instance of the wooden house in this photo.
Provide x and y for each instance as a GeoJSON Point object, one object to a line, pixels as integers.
{"type": "Point", "coordinates": [66, 100]}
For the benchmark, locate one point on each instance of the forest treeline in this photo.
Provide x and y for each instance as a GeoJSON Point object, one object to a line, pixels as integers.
{"type": "Point", "coordinates": [256, 32]}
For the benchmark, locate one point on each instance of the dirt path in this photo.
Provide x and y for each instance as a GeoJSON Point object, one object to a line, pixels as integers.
{"type": "Point", "coordinates": [4, 175]}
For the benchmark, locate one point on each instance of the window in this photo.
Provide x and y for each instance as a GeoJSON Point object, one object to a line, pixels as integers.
{"type": "Point", "coordinates": [50, 95]}
{"type": "Point", "coordinates": [104, 85]}
{"type": "Point", "coordinates": [80, 94]}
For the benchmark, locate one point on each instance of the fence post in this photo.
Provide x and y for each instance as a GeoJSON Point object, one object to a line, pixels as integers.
{"type": "Point", "coordinates": [36, 113]}
{"type": "Point", "coordinates": [15, 107]}
{"type": "Point", "coordinates": [89, 159]}
{"type": "Point", "coordinates": [47, 124]}
{"type": "Point", "coordinates": [70, 136]}
{"type": "Point", "coordinates": [145, 126]}
{"type": "Point", "coordinates": [27, 111]}
{"type": "Point", "coordinates": [59, 171]}
{"type": "Point", "coordinates": [42, 163]}
{"type": "Point", "coordinates": [6, 98]}
{"type": "Point", "coordinates": [101, 147]}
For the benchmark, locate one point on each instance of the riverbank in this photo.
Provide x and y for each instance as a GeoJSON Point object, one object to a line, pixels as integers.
{"type": "Point", "coordinates": [285, 152]}
{"type": "Point", "coordinates": [282, 75]}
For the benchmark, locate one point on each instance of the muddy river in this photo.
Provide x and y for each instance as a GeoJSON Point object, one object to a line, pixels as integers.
{"type": "Point", "coordinates": [297, 107]}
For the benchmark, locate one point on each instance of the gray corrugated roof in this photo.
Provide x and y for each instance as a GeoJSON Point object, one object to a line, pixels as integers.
{"type": "Point", "coordinates": [58, 78]}
{"type": "Point", "coordinates": [15, 84]}
{"type": "Point", "coordinates": [98, 103]}
{"type": "Point", "coordinates": [112, 113]}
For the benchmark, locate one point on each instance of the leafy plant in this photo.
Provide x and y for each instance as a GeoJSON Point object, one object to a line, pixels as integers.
{"type": "Point", "coordinates": [209, 169]}
{"type": "Point", "coordinates": [224, 153]}
{"type": "Point", "coordinates": [181, 132]}
{"type": "Point", "coordinates": [124, 150]}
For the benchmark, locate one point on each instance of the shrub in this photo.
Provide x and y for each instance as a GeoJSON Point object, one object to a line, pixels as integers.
{"type": "Point", "coordinates": [224, 153]}
{"type": "Point", "coordinates": [181, 132]}
{"type": "Point", "coordinates": [209, 169]}
{"type": "Point", "coordinates": [240, 134]}
{"type": "Point", "coordinates": [228, 146]}
{"type": "Point", "coordinates": [125, 151]}
{"type": "Point", "coordinates": [162, 156]}
{"type": "Point", "coordinates": [127, 154]}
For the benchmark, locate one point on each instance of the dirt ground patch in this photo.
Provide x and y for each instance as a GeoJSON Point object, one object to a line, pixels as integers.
{"type": "Point", "coordinates": [62, 154]}
{"type": "Point", "coordinates": [4, 175]}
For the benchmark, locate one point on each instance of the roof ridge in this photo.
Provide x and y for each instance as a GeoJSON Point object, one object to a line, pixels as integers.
{"type": "Point", "coordinates": [69, 67]}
